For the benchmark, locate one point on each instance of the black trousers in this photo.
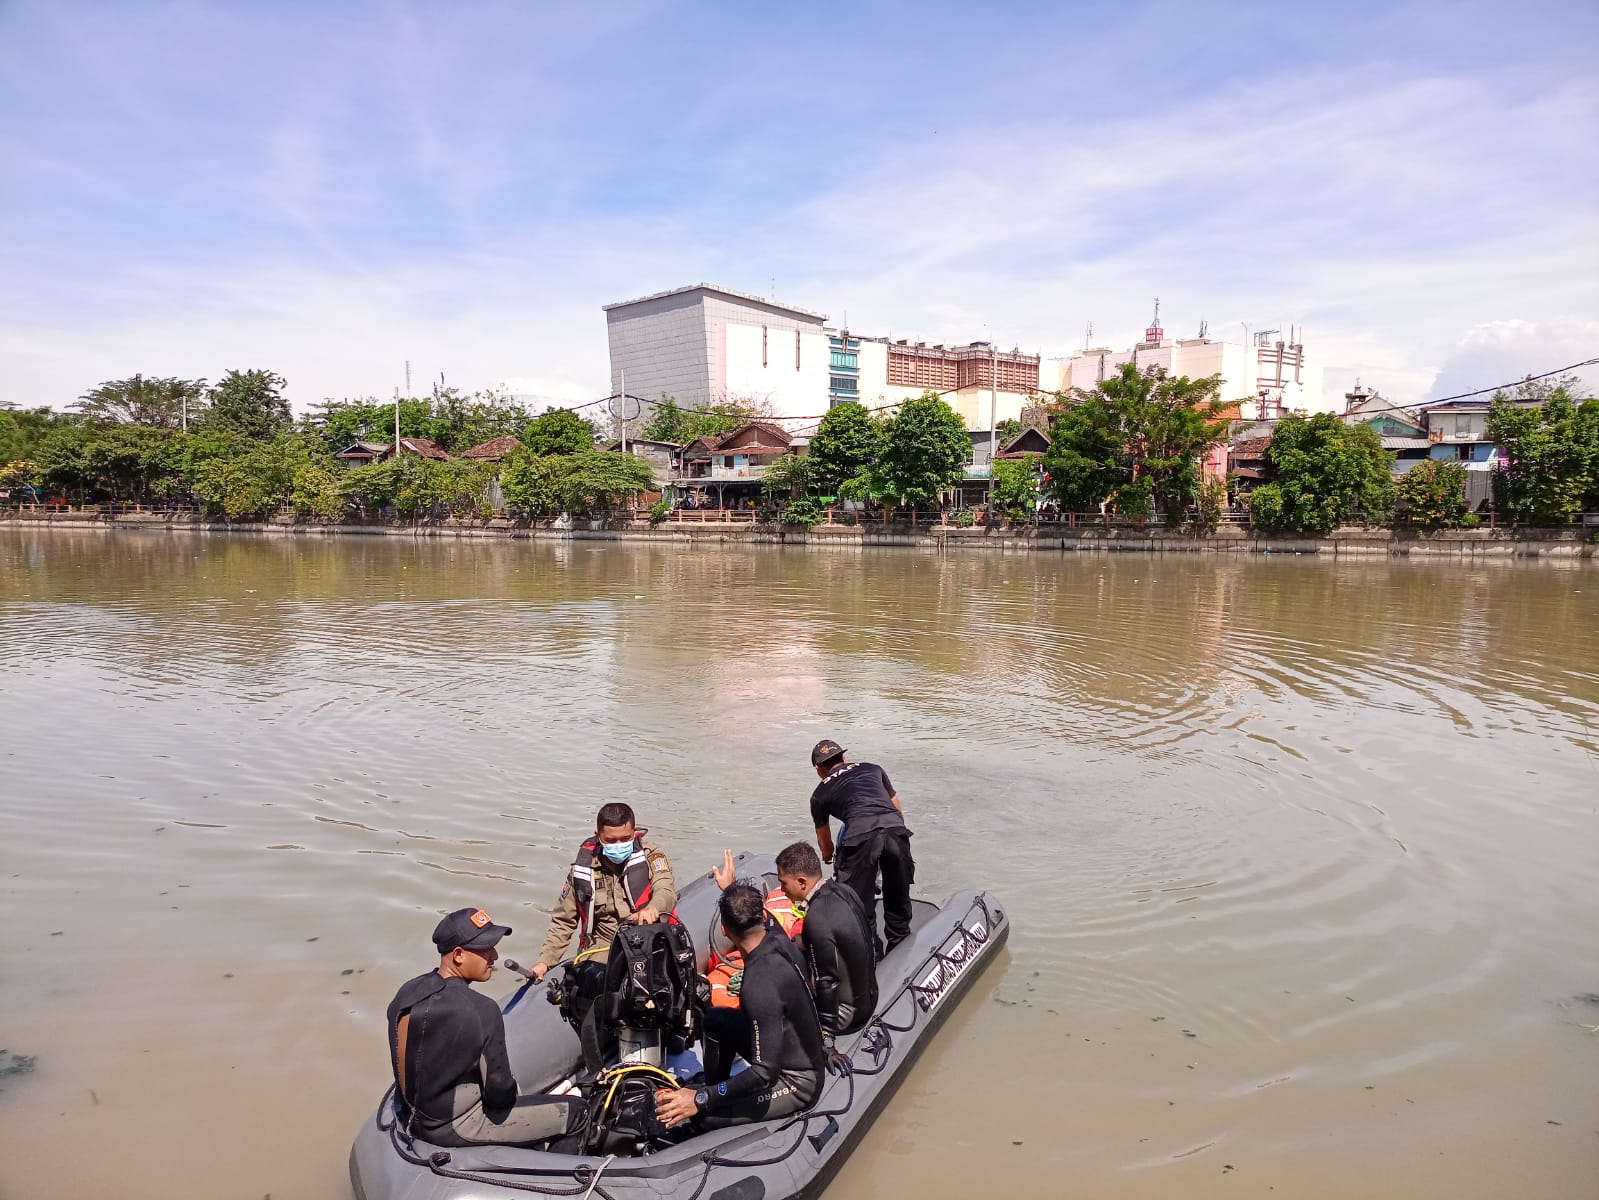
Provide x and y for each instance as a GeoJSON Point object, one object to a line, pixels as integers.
{"type": "Point", "coordinates": [728, 1034]}
{"type": "Point", "coordinates": [885, 852]}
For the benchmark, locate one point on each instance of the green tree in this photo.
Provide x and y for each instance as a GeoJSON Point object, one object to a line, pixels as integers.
{"type": "Point", "coordinates": [1136, 441]}
{"type": "Point", "coordinates": [1015, 485]}
{"type": "Point", "coordinates": [847, 445]}
{"type": "Point", "coordinates": [249, 403]}
{"type": "Point", "coordinates": [1324, 473]}
{"type": "Point", "coordinates": [373, 486]}
{"type": "Point", "coordinates": [1088, 458]}
{"type": "Point", "coordinates": [788, 477]}
{"type": "Point", "coordinates": [320, 489]}
{"type": "Point", "coordinates": [1007, 430]}
{"type": "Point", "coordinates": [1432, 493]}
{"type": "Point", "coordinates": [463, 421]}
{"type": "Point", "coordinates": [559, 431]}
{"type": "Point", "coordinates": [60, 460]}
{"type": "Point", "coordinates": [1551, 457]}
{"type": "Point", "coordinates": [350, 421]}
{"type": "Point", "coordinates": [596, 480]}
{"type": "Point", "coordinates": [22, 429]}
{"type": "Point", "coordinates": [135, 462]}
{"type": "Point", "coordinates": [13, 442]}
{"type": "Point", "coordinates": [253, 482]}
{"type": "Point", "coordinates": [925, 451]}
{"type": "Point", "coordinates": [1208, 509]}
{"type": "Point", "coordinates": [668, 422]}
{"type": "Point", "coordinates": [139, 401]}
{"type": "Point", "coordinates": [459, 485]}
{"type": "Point", "coordinates": [528, 483]}
{"type": "Point", "coordinates": [1587, 424]}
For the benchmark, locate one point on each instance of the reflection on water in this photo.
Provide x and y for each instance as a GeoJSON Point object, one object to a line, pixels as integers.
{"type": "Point", "coordinates": [1301, 855]}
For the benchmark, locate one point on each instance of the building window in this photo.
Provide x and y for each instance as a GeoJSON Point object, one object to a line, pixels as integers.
{"type": "Point", "coordinates": [845, 360]}
{"type": "Point", "coordinates": [843, 383]}
{"type": "Point", "coordinates": [763, 345]}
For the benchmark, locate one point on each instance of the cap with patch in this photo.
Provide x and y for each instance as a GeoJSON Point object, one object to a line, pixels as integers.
{"type": "Point", "coordinates": [825, 749]}
{"type": "Point", "coordinates": [470, 928]}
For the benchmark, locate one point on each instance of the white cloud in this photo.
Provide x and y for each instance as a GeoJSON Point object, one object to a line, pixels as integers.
{"type": "Point", "coordinates": [1387, 214]}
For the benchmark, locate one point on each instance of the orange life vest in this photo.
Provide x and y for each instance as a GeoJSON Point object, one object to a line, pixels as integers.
{"type": "Point", "coordinates": [721, 967]}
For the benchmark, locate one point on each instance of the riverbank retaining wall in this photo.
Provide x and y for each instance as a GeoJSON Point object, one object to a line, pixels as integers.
{"type": "Point", "coordinates": [1498, 542]}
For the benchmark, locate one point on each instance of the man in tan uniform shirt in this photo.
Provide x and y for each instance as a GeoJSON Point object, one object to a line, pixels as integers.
{"type": "Point", "coordinates": [618, 875]}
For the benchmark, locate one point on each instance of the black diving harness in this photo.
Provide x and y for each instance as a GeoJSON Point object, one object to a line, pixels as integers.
{"type": "Point", "coordinates": [876, 1039]}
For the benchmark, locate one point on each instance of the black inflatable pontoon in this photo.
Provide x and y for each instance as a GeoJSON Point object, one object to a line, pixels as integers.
{"type": "Point", "coordinates": [919, 984]}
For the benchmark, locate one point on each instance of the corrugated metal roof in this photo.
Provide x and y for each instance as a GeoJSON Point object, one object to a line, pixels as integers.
{"type": "Point", "coordinates": [494, 448]}
{"type": "Point", "coordinates": [1404, 443]}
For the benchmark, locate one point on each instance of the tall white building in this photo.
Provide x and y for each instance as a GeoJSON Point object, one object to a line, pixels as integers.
{"type": "Point", "coordinates": [704, 345]}
{"type": "Point", "coordinates": [1269, 376]}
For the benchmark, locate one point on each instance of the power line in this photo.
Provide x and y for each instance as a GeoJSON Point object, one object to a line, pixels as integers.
{"type": "Point", "coordinates": [1498, 387]}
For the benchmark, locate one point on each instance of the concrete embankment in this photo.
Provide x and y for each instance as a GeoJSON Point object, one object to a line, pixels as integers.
{"type": "Point", "coordinates": [1351, 542]}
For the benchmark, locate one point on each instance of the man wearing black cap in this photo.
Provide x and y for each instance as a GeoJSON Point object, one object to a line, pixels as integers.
{"type": "Point", "coordinates": [872, 840]}
{"type": "Point", "coordinates": [447, 1050]}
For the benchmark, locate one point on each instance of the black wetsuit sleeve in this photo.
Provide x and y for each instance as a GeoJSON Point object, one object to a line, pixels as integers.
{"type": "Point", "coordinates": [499, 1085]}
{"type": "Point", "coordinates": [762, 1002]}
{"type": "Point", "coordinates": [827, 966]}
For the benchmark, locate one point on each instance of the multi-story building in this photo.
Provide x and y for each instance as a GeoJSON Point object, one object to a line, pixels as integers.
{"type": "Point", "coordinates": [704, 345]}
{"type": "Point", "coordinates": [879, 372]}
{"type": "Point", "coordinates": [1269, 375]}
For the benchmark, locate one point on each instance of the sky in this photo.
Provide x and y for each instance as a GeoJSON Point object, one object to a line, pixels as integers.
{"type": "Point", "coordinates": [329, 191]}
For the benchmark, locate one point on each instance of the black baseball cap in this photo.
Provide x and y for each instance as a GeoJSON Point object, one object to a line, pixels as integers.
{"type": "Point", "coordinates": [469, 928]}
{"type": "Point", "coordinates": [825, 749]}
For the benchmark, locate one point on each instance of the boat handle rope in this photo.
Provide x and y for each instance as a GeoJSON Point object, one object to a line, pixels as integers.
{"type": "Point", "coordinates": [876, 1038]}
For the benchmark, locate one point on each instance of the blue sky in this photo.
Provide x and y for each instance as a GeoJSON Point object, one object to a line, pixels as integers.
{"type": "Point", "coordinates": [328, 190]}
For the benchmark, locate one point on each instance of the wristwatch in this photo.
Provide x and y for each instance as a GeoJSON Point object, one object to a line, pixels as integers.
{"type": "Point", "coordinates": [702, 1098]}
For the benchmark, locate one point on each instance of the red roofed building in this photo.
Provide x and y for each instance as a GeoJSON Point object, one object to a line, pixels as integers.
{"type": "Point", "coordinates": [494, 449]}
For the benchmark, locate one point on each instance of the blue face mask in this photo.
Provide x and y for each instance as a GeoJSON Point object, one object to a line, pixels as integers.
{"type": "Point", "coordinates": [617, 852]}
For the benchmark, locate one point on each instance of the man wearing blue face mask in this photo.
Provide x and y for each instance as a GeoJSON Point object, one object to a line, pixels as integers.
{"type": "Point", "coordinates": [618, 875]}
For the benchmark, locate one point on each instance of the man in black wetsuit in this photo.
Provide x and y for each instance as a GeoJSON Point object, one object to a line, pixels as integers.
{"type": "Point", "coordinates": [836, 940]}
{"type": "Point", "coordinates": [873, 839]}
{"type": "Point", "coordinates": [775, 1030]}
{"type": "Point", "coordinates": [447, 1050]}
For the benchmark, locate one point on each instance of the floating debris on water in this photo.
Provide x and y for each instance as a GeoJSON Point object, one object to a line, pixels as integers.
{"type": "Point", "coordinates": [16, 1064]}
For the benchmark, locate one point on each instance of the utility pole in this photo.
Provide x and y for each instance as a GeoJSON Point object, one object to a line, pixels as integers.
{"type": "Point", "coordinates": [993, 420]}
{"type": "Point", "coordinates": [621, 411]}
{"type": "Point", "coordinates": [184, 399]}
{"type": "Point", "coordinates": [407, 377]}
{"type": "Point", "coordinates": [396, 453]}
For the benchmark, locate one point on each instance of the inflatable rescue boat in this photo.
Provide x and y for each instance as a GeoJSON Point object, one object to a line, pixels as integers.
{"type": "Point", "coordinates": [919, 985]}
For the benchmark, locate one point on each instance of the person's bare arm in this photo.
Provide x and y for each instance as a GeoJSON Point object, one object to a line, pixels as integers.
{"type": "Point", "coordinates": [824, 842]}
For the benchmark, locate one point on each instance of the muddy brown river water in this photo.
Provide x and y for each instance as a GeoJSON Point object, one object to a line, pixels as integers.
{"type": "Point", "coordinates": [1302, 856]}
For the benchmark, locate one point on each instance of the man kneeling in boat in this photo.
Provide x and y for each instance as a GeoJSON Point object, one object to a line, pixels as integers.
{"type": "Point", "coordinates": [775, 1030]}
{"type": "Point", "coordinates": [447, 1050]}
{"type": "Point", "coordinates": [618, 876]}
{"type": "Point", "coordinates": [836, 940]}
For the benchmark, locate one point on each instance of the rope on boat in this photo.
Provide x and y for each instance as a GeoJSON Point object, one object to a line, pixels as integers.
{"type": "Point", "coordinates": [595, 1182]}
{"type": "Point", "coordinates": [876, 1039]}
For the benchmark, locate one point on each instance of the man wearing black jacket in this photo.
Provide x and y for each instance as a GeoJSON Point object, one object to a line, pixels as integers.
{"type": "Point", "coordinates": [447, 1050]}
{"type": "Point", "coordinates": [775, 1030]}
{"type": "Point", "coordinates": [872, 840]}
{"type": "Point", "coordinates": [836, 939]}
